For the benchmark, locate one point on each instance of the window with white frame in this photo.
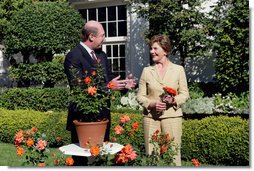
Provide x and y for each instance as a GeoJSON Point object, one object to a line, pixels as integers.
{"type": "Point", "coordinates": [114, 21]}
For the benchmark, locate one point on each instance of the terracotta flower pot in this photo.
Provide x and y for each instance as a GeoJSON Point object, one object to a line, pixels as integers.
{"type": "Point", "coordinates": [90, 133]}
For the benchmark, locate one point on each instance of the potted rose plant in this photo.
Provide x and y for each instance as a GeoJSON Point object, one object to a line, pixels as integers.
{"type": "Point", "coordinates": [91, 95]}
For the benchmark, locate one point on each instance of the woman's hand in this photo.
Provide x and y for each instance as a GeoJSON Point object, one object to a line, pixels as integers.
{"type": "Point", "coordinates": [158, 106]}
{"type": "Point", "coordinates": [130, 82]}
{"type": "Point", "coordinates": [169, 100]}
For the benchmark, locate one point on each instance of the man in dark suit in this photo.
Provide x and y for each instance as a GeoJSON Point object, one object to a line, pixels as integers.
{"type": "Point", "coordinates": [82, 58]}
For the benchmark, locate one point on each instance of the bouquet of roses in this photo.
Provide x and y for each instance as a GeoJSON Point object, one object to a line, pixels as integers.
{"type": "Point", "coordinates": [168, 94]}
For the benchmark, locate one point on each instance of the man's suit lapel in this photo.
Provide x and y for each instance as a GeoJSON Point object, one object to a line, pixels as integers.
{"type": "Point", "coordinates": [86, 55]}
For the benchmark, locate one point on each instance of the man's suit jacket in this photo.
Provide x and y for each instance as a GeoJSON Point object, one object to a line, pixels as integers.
{"type": "Point", "coordinates": [80, 59]}
{"type": "Point", "coordinates": [151, 88]}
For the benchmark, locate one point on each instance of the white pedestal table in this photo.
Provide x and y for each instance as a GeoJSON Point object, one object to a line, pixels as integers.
{"type": "Point", "coordinates": [76, 150]}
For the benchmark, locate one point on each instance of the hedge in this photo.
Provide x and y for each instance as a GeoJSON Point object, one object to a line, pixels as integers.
{"type": "Point", "coordinates": [39, 99]}
{"type": "Point", "coordinates": [51, 123]}
{"type": "Point", "coordinates": [56, 99]}
{"type": "Point", "coordinates": [216, 140]}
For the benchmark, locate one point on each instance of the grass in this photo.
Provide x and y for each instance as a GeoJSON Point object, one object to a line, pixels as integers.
{"type": "Point", "coordinates": [8, 156]}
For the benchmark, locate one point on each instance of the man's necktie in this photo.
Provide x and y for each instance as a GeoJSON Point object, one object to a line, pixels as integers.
{"type": "Point", "coordinates": [93, 56]}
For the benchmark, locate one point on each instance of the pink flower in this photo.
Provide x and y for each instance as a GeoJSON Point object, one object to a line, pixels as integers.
{"type": "Point", "coordinates": [125, 119]}
{"type": "Point", "coordinates": [126, 153]}
{"type": "Point", "coordinates": [121, 158]}
{"type": "Point", "coordinates": [129, 152]}
{"type": "Point", "coordinates": [19, 137]}
{"type": "Point", "coordinates": [118, 129]}
{"type": "Point", "coordinates": [41, 145]}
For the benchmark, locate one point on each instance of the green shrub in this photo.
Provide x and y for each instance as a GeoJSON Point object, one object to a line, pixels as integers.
{"type": "Point", "coordinates": [232, 103]}
{"type": "Point", "coordinates": [55, 129]}
{"type": "Point", "coordinates": [199, 106]}
{"type": "Point", "coordinates": [43, 29]}
{"type": "Point", "coordinates": [220, 140]}
{"type": "Point", "coordinates": [39, 99]}
{"type": "Point", "coordinates": [12, 121]}
{"type": "Point", "coordinates": [229, 27]}
{"type": "Point", "coordinates": [195, 90]}
{"type": "Point", "coordinates": [43, 73]}
{"type": "Point", "coordinates": [51, 123]}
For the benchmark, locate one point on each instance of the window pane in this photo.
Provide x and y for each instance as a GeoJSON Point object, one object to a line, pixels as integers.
{"type": "Point", "coordinates": [92, 14]}
{"type": "Point", "coordinates": [102, 14]}
{"type": "Point", "coordinates": [122, 64]}
{"type": "Point", "coordinates": [83, 13]}
{"type": "Point", "coordinates": [105, 29]}
{"type": "Point", "coordinates": [122, 50]}
{"type": "Point", "coordinates": [111, 29]}
{"type": "Point", "coordinates": [122, 12]}
{"type": "Point", "coordinates": [115, 64]}
{"type": "Point", "coordinates": [122, 28]}
{"type": "Point", "coordinates": [109, 61]}
{"type": "Point", "coordinates": [115, 50]}
{"type": "Point", "coordinates": [122, 75]}
{"type": "Point", "coordinates": [108, 51]}
{"type": "Point", "coordinates": [111, 13]}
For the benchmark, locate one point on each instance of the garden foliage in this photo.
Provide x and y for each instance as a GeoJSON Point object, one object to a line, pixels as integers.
{"type": "Point", "coordinates": [56, 99]}
{"type": "Point", "coordinates": [51, 123]}
{"type": "Point", "coordinates": [229, 25]}
{"type": "Point", "coordinates": [220, 140]}
{"type": "Point", "coordinates": [47, 74]}
{"type": "Point", "coordinates": [43, 29]}
{"type": "Point", "coordinates": [182, 21]}
{"type": "Point", "coordinates": [40, 99]}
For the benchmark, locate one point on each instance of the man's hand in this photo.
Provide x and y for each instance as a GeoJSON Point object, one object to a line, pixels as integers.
{"type": "Point", "coordinates": [118, 84]}
{"type": "Point", "coordinates": [128, 83]}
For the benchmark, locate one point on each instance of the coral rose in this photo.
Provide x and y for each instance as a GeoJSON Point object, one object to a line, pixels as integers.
{"type": "Point", "coordinates": [118, 129]}
{"type": "Point", "coordinates": [69, 161]}
{"type": "Point", "coordinates": [95, 150]}
{"type": "Point", "coordinates": [29, 142]}
{"type": "Point", "coordinates": [20, 151]}
{"type": "Point", "coordinates": [92, 90]}
{"type": "Point", "coordinates": [41, 145]}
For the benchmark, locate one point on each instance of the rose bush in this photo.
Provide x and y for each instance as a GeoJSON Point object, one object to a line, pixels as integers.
{"type": "Point", "coordinates": [90, 93]}
{"type": "Point", "coordinates": [33, 145]}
